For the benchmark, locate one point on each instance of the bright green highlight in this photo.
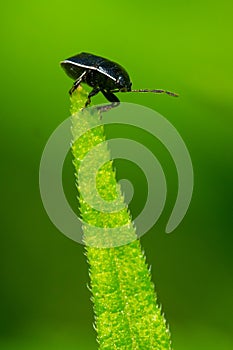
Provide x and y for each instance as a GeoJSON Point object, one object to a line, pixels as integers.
{"type": "Point", "coordinates": [127, 315]}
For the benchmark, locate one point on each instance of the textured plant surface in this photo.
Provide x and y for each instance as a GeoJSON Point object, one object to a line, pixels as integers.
{"type": "Point", "coordinates": [127, 315]}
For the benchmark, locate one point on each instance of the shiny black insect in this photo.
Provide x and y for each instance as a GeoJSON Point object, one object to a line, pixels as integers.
{"type": "Point", "coordinates": [102, 75]}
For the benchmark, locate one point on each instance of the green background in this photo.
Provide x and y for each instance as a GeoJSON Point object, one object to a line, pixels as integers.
{"type": "Point", "coordinates": [180, 46]}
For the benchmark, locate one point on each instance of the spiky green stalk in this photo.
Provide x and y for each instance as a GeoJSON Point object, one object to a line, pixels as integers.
{"type": "Point", "coordinates": [127, 315]}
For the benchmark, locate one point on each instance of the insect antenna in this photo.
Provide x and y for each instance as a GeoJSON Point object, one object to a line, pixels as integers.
{"type": "Point", "coordinates": [157, 91]}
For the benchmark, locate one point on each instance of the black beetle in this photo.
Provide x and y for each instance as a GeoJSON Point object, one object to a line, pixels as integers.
{"type": "Point", "coordinates": [102, 75]}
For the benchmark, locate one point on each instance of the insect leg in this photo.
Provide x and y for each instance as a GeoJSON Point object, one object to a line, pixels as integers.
{"type": "Point", "coordinates": [110, 96]}
{"type": "Point", "coordinates": [77, 83]}
{"type": "Point", "coordinates": [91, 94]}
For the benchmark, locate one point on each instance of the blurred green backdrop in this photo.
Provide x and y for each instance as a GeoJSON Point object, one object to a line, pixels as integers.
{"type": "Point", "coordinates": [181, 46]}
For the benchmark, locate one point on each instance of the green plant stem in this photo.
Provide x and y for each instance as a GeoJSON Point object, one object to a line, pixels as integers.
{"type": "Point", "coordinates": [127, 315]}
